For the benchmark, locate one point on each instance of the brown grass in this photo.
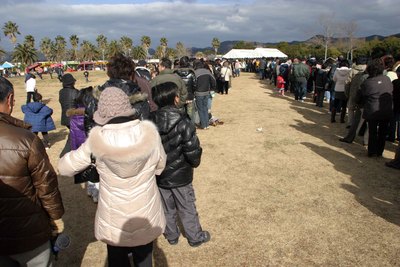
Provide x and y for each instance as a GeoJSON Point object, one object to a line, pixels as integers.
{"type": "Point", "coordinates": [290, 195]}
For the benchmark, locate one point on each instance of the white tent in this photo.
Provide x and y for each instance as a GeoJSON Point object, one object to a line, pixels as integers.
{"type": "Point", "coordinates": [255, 53]}
{"type": "Point", "coordinates": [241, 53]}
{"type": "Point", "coordinates": [7, 65]}
{"type": "Point", "coordinates": [270, 52]}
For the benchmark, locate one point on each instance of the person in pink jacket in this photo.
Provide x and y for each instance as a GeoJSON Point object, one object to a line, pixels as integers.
{"type": "Point", "coordinates": [129, 154]}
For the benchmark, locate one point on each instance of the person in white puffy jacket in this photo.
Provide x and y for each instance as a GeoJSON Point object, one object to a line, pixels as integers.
{"type": "Point", "coordinates": [129, 154]}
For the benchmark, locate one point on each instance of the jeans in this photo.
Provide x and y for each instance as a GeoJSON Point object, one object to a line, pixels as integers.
{"type": "Point", "coordinates": [142, 256]}
{"type": "Point", "coordinates": [38, 257]}
{"type": "Point", "coordinates": [202, 103]}
{"type": "Point", "coordinates": [29, 96]}
{"type": "Point", "coordinates": [300, 87]}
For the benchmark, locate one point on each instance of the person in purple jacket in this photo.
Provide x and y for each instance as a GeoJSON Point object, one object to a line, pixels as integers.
{"type": "Point", "coordinates": [38, 115]}
{"type": "Point", "coordinates": [78, 131]}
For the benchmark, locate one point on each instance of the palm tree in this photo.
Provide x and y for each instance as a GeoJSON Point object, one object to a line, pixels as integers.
{"type": "Point", "coordinates": [114, 48]}
{"type": "Point", "coordinates": [164, 45]}
{"type": "Point", "coordinates": [159, 52]}
{"type": "Point", "coordinates": [126, 44]}
{"type": "Point", "coordinates": [102, 44]}
{"type": "Point", "coordinates": [139, 52]}
{"type": "Point", "coordinates": [74, 40]}
{"type": "Point", "coordinates": [30, 40]}
{"type": "Point", "coordinates": [216, 44]}
{"type": "Point", "coordinates": [25, 53]}
{"type": "Point", "coordinates": [10, 29]}
{"type": "Point", "coordinates": [60, 47]}
{"type": "Point", "coordinates": [88, 51]}
{"type": "Point", "coordinates": [46, 47]}
{"type": "Point", "coordinates": [146, 42]}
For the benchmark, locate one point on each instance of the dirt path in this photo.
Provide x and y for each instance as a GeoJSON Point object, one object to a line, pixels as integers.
{"type": "Point", "coordinates": [289, 195]}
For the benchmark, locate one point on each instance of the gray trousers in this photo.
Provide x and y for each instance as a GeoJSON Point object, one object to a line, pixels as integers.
{"type": "Point", "coordinates": [180, 202]}
{"type": "Point", "coordinates": [38, 257]}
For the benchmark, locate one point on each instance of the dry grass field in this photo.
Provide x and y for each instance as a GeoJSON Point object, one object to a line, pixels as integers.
{"type": "Point", "coordinates": [288, 195]}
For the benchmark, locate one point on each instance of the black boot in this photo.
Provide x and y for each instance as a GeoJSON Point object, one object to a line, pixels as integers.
{"type": "Point", "coordinates": [333, 115]}
{"type": "Point", "coordinates": [342, 115]}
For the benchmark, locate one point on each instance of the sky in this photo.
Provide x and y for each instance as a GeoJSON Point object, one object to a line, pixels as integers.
{"type": "Point", "coordinates": [194, 22]}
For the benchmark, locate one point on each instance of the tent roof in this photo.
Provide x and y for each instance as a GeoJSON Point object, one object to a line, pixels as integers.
{"type": "Point", "coordinates": [270, 52]}
{"type": "Point", "coordinates": [7, 65]}
{"type": "Point", "coordinates": [254, 53]}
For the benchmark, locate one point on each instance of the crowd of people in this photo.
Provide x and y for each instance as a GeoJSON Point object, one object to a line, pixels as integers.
{"type": "Point", "coordinates": [137, 133]}
{"type": "Point", "coordinates": [364, 93]}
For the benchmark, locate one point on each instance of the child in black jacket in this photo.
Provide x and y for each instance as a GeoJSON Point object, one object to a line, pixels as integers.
{"type": "Point", "coordinates": [182, 146]}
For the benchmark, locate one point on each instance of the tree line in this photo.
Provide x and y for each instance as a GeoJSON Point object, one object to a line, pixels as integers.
{"type": "Point", "coordinates": [56, 50]}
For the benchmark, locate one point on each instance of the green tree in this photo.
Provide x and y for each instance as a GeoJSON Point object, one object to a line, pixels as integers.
{"type": "Point", "coordinates": [181, 50]}
{"type": "Point", "coordinates": [146, 42]}
{"type": "Point", "coordinates": [171, 53]}
{"type": "Point", "coordinates": [126, 45]}
{"type": "Point", "coordinates": [215, 43]}
{"type": "Point", "coordinates": [25, 53]}
{"type": "Point", "coordinates": [10, 30]}
{"type": "Point", "coordinates": [114, 48]}
{"type": "Point", "coordinates": [30, 40]}
{"type": "Point", "coordinates": [46, 47]}
{"type": "Point", "coordinates": [164, 45]}
{"type": "Point", "coordinates": [88, 51]}
{"type": "Point", "coordinates": [244, 45]}
{"type": "Point", "coordinates": [74, 41]}
{"type": "Point", "coordinates": [139, 52]}
{"type": "Point", "coordinates": [60, 48]}
{"type": "Point", "coordinates": [102, 44]}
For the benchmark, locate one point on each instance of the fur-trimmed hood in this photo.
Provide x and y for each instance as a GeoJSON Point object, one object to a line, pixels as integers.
{"type": "Point", "coordinates": [75, 111]}
{"type": "Point", "coordinates": [123, 147]}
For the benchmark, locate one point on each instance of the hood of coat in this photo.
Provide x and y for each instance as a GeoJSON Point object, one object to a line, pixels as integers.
{"type": "Point", "coordinates": [167, 118]}
{"type": "Point", "coordinates": [75, 111]}
{"type": "Point", "coordinates": [343, 72]}
{"type": "Point", "coordinates": [124, 147]}
{"type": "Point", "coordinates": [34, 107]}
{"type": "Point", "coordinates": [360, 67]}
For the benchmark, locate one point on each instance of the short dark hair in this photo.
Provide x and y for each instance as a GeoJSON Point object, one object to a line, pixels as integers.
{"type": "Point", "coordinates": [6, 88]}
{"type": "Point", "coordinates": [120, 67]}
{"type": "Point", "coordinates": [164, 94]}
{"type": "Point", "coordinates": [184, 62]}
{"type": "Point", "coordinates": [375, 67]}
{"type": "Point", "coordinates": [166, 63]}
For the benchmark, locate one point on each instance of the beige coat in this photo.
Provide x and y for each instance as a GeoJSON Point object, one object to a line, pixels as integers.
{"type": "Point", "coordinates": [128, 156]}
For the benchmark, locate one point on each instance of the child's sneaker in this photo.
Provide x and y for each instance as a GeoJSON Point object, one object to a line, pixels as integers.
{"type": "Point", "coordinates": [205, 237]}
{"type": "Point", "coordinates": [173, 241]}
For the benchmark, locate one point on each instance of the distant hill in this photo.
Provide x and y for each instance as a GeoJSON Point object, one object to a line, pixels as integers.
{"type": "Point", "coordinates": [226, 46]}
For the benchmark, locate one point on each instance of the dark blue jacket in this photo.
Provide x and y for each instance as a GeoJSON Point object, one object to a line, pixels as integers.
{"type": "Point", "coordinates": [38, 115]}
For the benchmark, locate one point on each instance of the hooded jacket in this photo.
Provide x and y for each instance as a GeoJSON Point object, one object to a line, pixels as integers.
{"type": "Point", "coordinates": [205, 82]}
{"type": "Point", "coordinates": [128, 156]}
{"type": "Point", "coordinates": [38, 115]}
{"type": "Point", "coordinates": [189, 78]}
{"type": "Point", "coordinates": [29, 195]}
{"type": "Point", "coordinates": [340, 77]}
{"type": "Point", "coordinates": [178, 135]}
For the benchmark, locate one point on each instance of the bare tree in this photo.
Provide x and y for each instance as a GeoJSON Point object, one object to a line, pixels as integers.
{"type": "Point", "coordinates": [328, 25]}
{"type": "Point", "coordinates": [349, 29]}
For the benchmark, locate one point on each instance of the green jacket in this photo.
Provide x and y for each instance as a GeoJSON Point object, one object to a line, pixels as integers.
{"type": "Point", "coordinates": [168, 75]}
{"type": "Point", "coordinates": [301, 70]}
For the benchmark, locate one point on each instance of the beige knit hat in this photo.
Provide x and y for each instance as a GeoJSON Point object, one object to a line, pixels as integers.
{"type": "Point", "coordinates": [113, 103]}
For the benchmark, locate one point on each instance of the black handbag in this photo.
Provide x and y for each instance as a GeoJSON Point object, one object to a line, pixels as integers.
{"type": "Point", "coordinates": [90, 174]}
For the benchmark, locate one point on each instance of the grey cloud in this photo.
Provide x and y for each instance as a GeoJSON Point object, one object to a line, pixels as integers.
{"type": "Point", "coordinates": [196, 24]}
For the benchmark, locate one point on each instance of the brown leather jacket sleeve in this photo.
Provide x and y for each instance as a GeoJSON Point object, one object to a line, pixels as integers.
{"type": "Point", "coordinates": [44, 179]}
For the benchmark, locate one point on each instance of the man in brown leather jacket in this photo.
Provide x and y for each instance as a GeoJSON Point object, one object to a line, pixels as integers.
{"type": "Point", "coordinates": [30, 202]}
